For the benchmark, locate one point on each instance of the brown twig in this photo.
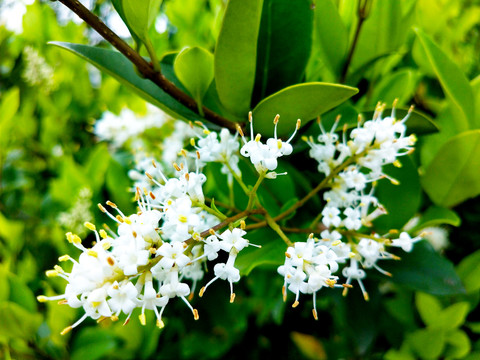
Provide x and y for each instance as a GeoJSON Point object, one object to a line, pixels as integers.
{"type": "Point", "coordinates": [144, 67]}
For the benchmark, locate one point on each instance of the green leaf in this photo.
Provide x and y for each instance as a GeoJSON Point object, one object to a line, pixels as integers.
{"type": "Point", "coordinates": [21, 294]}
{"type": "Point", "coordinates": [93, 343]}
{"type": "Point", "coordinates": [97, 165]}
{"type": "Point", "coordinates": [9, 104]}
{"type": "Point", "coordinates": [194, 68]}
{"type": "Point", "coordinates": [474, 326]}
{"type": "Point", "coordinates": [331, 35]}
{"type": "Point", "coordinates": [140, 15]}
{"type": "Point", "coordinates": [284, 44]}
{"type": "Point", "coordinates": [236, 55]}
{"type": "Point", "coordinates": [436, 215]}
{"type": "Point", "coordinates": [427, 343]}
{"type": "Point", "coordinates": [17, 322]}
{"type": "Point", "coordinates": [400, 208]}
{"type": "Point", "coordinates": [271, 253]}
{"type": "Point", "coordinates": [452, 176]}
{"type": "Point", "coordinates": [469, 272]}
{"type": "Point", "coordinates": [428, 307]}
{"type": "Point", "coordinates": [453, 80]}
{"type": "Point", "coordinates": [118, 5]}
{"type": "Point", "coordinates": [304, 101]}
{"type": "Point", "coordinates": [399, 85]}
{"type": "Point", "coordinates": [118, 66]}
{"type": "Point", "coordinates": [452, 317]}
{"type": "Point", "coordinates": [459, 345]}
{"type": "Point", "coordinates": [425, 270]}
{"type": "Point", "coordinates": [11, 231]}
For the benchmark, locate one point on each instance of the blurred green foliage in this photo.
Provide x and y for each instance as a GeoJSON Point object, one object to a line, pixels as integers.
{"type": "Point", "coordinates": [424, 52]}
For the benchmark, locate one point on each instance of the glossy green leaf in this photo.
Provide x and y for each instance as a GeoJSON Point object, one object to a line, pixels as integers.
{"type": "Point", "coordinates": [331, 35]}
{"type": "Point", "coordinates": [304, 101]}
{"type": "Point", "coordinates": [452, 176]}
{"type": "Point", "coordinates": [271, 253]}
{"type": "Point", "coordinates": [194, 68]}
{"type": "Point", "coordinates": [469, 272]}
{"type": "Point", "coordinates": [284, 44]}
{"type": "Point", "coordinates": [140, 15]}
{"type": "Point", "coordinates": [424, 270]}
{"type": "Point", "coordinates": [459, 345]}
{"type": "Point", "coordinates": [93, 343]}
{"type": "Point", "coordinates": [454, 82]}
{"type": "Point", "coordinates": [118, 66]}
{"type": "Point", "coordinates": [400, 208]}
{"type": "Point", "coordinates": [428, 307]}
{"type": "Point", "coordinates": [427, 343]}
{"type": "Point", "coordinates": [436, 215]}
{"type": "Point", "coordinates": [236, 55]}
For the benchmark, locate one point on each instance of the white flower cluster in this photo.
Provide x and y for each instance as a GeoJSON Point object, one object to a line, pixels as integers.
{"type": "Point", "coordinates": [118, 129]}
{"type": "Point", "coordinates": [79, 213]}
{"type": "Point", "coordinates": [37, 71]}
{"type": "Point", "coordinates": [151, 256]}
{"type": "Point", "coordinates": [349, 166]}
{"type": "Point", "coordinates": [264, 156]}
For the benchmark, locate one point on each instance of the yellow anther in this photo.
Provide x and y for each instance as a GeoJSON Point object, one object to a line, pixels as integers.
{"type": "Point", "coordinates": [103, 234]}
{"type": "Point", "coordinates": [211, 231]}
{"type": "Point", "coordinates": [112, 204]}
{"type": "Point", "coordinates": [42, 298]}
{"type": "Point", "coordinates": [160, 324]}
{"type": "Point", "coordinates": [66, 330]}
{"type": "Point", "coordinates": [182, 218]}
{"type": "Point", "coordinates": [250, 116]}
{"type": "Point", "coordinates": [195, 314]}
{"type": "Point", "coordinates": [102, 209]}
{"type": "Point", "coordinates": [299, 123]}
{"type": "Point", "coordinates": [395, 182]}
{"type": "Point", "coordinates": [149, 176]}
{"type": "Point", "coordinates": [154, 164]}
{"type": "Point", "coordinates": [365, 296]}
{"type": "Point", "coordinates": [288, 255]}
{"type": "Point", "coordinates": [304, 138]}
{"type": "Point", "coordinates": [206, 131]}
{"type": "Point", "coordinates": [295, 304]}
{"type": "Point", "coordinates": [202, 290]}
{"type": "Point", "coordinates": [64, 258]}
{"type": "Point", "coordinates": [330, 282]}
{"type": "Point", "coordinates": [134, 233]}
{"type": "Point", "coordinates": [279, 144]}
{"type": "Point", "coordinates": [93, 253]}
{"type": "Point", "coordinates": [198, 154]}
{"type": "Point", "coordinates": [114, 318]}
{"type": "Point", "coordinates": [192, 141]}
{"type": "Point", "coordinates": [315, 315]}
{"type": "Point", "coordinates": [90, 226]}
{"type": "Point", "coordinates": [119, 218]}
{"type": "Point", "coordinates": [51, 273]}
{"type": "Point", "coordinates": [239, 129]}
{"type": "Point", "coordinates": [242, 225]}
{"type": "Point", "coordinates": [232, 297]}
{"type": "Point", "coordinates": [97, 304]}
{"type": "Point", "coordinates": [152, 250]}
{"type": "Point", "coordinates": [258, 137]}
{"type": "Point", "coordinates": [110, 261]}
{"type": "Point", "coordinates": [196, 236]}
{"type": "Point", "coordinates": [58, 269]}
{"type": "Point", "coordinates": [175, 165]}
{"type": "Point", "coordinates": [284, 293]}
{"type": "Point", "coordinates": [143, 319]}
{"type": "Point", "coordinates": [127, 220]}
{"type": "Point", "coordinates": [116, 287]}
{"type": "Point", "coordinates": [275, 121]}
{"type": "Point", "coordinates": [336, 242]}
{"type": "Point", "coordinates": [397, 164]}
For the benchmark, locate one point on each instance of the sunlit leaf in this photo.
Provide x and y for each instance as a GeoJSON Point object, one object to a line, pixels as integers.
{"type": "Point", "coordinates": [236, 55]}
{"type": "Point", "coordinates": [140, 15]}
{"type": "Point", "coordinates": [304, 101]}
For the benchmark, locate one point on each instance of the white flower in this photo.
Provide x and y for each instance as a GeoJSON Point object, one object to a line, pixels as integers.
{"type": "Point", "coordinates": [330, 216]}
{"type": "Point", "coordinates": [172, 255]}
{"type": "Point", "coordinates": [405, 241]}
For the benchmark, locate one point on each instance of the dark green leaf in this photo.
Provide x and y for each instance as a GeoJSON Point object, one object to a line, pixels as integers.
{"type": "Point", "coordinates": [118, 66]}
{"type": "Point", "coordinates": [400, 208]}
{"type": "Point", "coordinates": [284, 45]}
{"type": "Point", "coordinates": [452, 176]}
{"type": "Point", "coordinates": [425, 270]}
{"type": "Point", "coordinates": [304, 101]}
{"type": "Point", "coordinates": [236, 55]}
{"type": "Point", "coordinates": [452, 79]}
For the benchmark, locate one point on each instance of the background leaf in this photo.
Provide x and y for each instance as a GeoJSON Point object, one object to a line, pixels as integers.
{"type": "Point", "coordinates": [236, 55]}
{"type": "Point", "coordinates": [452, 176]}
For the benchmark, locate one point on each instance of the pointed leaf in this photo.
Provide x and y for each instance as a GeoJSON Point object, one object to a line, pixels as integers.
{"type": "Point", "coordinates": [118, 66]}
{"type": "Point", "coordinates": [469, 272]}
{"type": "Point", "coordinates": [236, 55]}
{"type": "Point", "coordinates": [140, 15]}
{"type": "Point", "coordinates": [284, 45]}
{"type": "Point", "coordinates": [436, 215]}
{"type": "Point", "coordinates": [428, 307]}
{"type": "Point", "coordinates": [194, 68]}
{"type": "Point", "coordinates": [118, 5]}
{"type": "Point", "coordinates": [453, 80]}
{"type": "Point", "coordinates": [304, 101]}
{"type": "Point", "coordinates": [452, 176]}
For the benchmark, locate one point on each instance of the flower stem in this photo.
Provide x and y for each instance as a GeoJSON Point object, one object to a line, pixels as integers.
{"type": "Point", "coordinates": [275, 227]}
{"type": "Point", "coordinates": [253, 194]}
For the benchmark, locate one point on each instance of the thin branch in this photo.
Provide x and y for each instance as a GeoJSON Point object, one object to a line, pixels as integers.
{"type": "Point", "coordinates": [143, 66]}
{"type": "Point", "coordinates": [363, 11]}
